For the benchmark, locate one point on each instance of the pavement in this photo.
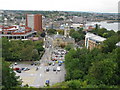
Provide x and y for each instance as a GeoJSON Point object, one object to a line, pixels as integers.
{"type": "Point", "coordinates": [37, 78]}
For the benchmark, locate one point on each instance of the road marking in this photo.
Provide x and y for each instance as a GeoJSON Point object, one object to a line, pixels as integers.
{"type": "Point", "coordinates": [40, 75]}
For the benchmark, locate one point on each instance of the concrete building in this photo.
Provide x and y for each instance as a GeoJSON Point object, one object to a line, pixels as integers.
{"type": "Point", "coordinates": [34, 21]}
{"type": "Point", "coordinates": [92, 41]}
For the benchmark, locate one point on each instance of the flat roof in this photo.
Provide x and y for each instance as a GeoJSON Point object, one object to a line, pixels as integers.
{"type": "Point", "coordinates": [19, 34]}
{"type": "Point", "coordinates": [95, 37]}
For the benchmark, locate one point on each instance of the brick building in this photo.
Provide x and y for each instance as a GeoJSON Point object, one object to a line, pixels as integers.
{"type": "Point", "coordinates": [34, 21]}
{"type": "Point", "coordinates": [92, 41]}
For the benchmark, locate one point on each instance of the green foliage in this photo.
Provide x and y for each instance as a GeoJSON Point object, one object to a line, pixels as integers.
{"type": "Point", "coordinates": [51, 31]}
{"type": "Point", "coordinates": [60, 32]}
{"type": "Point", "coordinates": [97, 69]}
{"type": "Point", "coordinates": [103, 71]}
{"type": "Point", "coordinates": [77, 35]}
{"type": "Point", "coordinates": [68, 47]}
{"type": "Point", "coordinates": [71, 31]}
{"type": "Point", "coordinates": [103, 32]}
{"type": "Point", "coordinates": [9, 79]}
{"type": "Point", "coordinates": [110, 44]}
{"type": "Point", "coordinates": [16, 50]}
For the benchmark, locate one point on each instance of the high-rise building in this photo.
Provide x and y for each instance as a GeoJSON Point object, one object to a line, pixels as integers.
{"type": "Point", "coordinates": [34, 21]}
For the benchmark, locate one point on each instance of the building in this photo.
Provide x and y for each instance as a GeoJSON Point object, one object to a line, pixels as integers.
{"type": "Point", "coordinates": [16, 32]}
{"type": "Point", "coordinates": [34, 21]}
{"type": "Point", "coordinates": [59, 40]}
{"type": "Point", "coordinates": [76, 26]}
{"type": "Point", "coordinates": [92, 40]}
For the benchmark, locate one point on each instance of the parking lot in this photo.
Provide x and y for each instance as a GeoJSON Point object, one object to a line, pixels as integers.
{"type": "Point", "coordinates": [37, 78]}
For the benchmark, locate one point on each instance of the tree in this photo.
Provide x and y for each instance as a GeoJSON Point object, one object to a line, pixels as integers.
{"type": "Point", "coordinates": [9, 78]}
{"type": "Point", "coordinates": [51, 31]}
{"type": "Point", "coordinates": [60, 32]}
{"type": "Point", "coordinates": [109, 44]}
{"type": "Point", "coordinates": [27, 53]}
{"type": "Point", "coordinates": [68, 47]}
{"type": "Point", "coordinates": [104, 71]}
{"type": "Point", "coordinates": [76, 36]}
{"type": "Point", "coordinates": [71, 31]}
{"type": "Point", "coordinates": [35, 55]}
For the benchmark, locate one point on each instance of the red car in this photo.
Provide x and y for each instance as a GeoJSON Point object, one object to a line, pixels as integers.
{"type": "Point", "coordinates": [16, 69]}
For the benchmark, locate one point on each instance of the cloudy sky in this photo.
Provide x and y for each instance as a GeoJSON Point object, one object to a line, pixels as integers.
{"type": "Point", "coordinates": [105, 6]}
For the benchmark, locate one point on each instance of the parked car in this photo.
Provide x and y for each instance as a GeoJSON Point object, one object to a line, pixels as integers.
{"type": "Point", "coordinates": [15, 63]}
{"type": "Point", "coordinates": [26, 69]}
{"type": "Point", "coordinates": [49, 63]}
{"type": "Point", "coordinates": [54, 69]}
{"type": "Point", "coordinates": [59, 64]}
{"type": "Point", "coordinates": [53, 64]}
{"type": "Point", "coordinates": [47, 69]}
{"type": "Point", "coordinates": [47, 82]}
{"type": "Point", "coordinates": [18, 71]}
{"type": "Point", "coordinates": [58, 68]}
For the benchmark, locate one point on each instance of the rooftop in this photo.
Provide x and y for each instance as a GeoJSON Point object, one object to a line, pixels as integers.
{"type": "Point", "coordinates": [95, 37]}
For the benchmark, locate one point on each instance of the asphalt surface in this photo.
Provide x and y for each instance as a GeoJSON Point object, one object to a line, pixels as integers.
{"type": "Point", "coordinates": [37, 78]}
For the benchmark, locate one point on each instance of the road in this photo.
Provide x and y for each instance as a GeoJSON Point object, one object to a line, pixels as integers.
{"type": "Point", "coordinates": [37, 78]}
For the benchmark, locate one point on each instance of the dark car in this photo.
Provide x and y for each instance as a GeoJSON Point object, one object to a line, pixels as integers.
{"type": "Point", "coordinates": [47, 69]}
{"type": "Point", "coordinates": [18, 71]}
{"type": "Point", "coordinates": [54, 69]}
{"type": "Point", "coordinates": [26, 69]}
{"type": "Point", "coordinates": [32, 63]}
{"type": "Point", "coordinates": [59, 64]}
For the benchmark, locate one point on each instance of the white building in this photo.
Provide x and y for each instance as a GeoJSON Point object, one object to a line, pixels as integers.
{"type": "Point", "coordinates": [92, 40]}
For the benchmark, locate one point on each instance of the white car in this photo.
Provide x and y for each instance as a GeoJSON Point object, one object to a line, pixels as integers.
{"type": "Point", "coordinates": [58, 68]}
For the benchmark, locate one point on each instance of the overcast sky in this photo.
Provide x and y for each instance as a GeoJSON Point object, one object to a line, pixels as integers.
{"type": "Point", "coordinates": [105, 6]}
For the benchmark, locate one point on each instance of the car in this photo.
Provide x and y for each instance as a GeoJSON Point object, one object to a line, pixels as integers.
{"type": "Point", "coordinates": [15, 63]}
{"type": "Point", "coordinates": [59, 64]}
{"type": "Point", "coordinates": [22, 68]}
{"type": "Point", "coordinates": [49, 63]}
{"type": "Point", "coordinates": [18, 71]}
{"type": "Point", "coordinates": [47, 82]}
{"type": "Point", "coordinates": [47, 69]}
{"type": "Point", "coordinates": [58, 68]}
{"type": "Point", "coordinates": [32, 63]}
{"type": "Point", "coordinates": [26, 69]}
{"type": "Point", "coordinates": [53, 64]}
{"type": "Point", "coordinates": [54, 69]}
